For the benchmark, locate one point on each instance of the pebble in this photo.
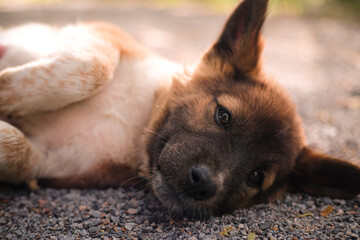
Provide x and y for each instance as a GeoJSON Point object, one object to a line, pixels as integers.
{"type": "Point", "coordinates": [93, 230]}
{"type": "Point", "coordinates": [129, 226]}
{"type": "Point", "coordinates": [94, 222]}
{"type": "Point", "coordinates": [96, 214]}
{"type": "Point", "coordinates": [132, 211]}
{"type": "Point", "coordinates": [210, 237]}
{"type": "Point", "coordinates": [83, 232]}
{"type": "Point", "coordinates": [265, 225]}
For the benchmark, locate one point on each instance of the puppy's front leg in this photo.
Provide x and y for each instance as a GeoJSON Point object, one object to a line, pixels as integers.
{"type": "Point", "coordinates": [56, 81]}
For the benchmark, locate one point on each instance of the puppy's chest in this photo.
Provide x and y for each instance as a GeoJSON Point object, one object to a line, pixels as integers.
{"type": "Point", "coordinates": [109, 124]}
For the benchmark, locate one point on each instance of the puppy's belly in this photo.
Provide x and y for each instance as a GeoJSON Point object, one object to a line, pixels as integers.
{"type": "Point", "coordinates": [79, 137]}
{"type": "Point", "coordinates": [104, 128]}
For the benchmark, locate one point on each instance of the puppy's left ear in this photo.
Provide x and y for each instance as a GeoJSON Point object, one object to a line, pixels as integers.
{"type": "Point", "coordinates": [238, 49]}
{"type": "Point", "coordinates": [319, 174]}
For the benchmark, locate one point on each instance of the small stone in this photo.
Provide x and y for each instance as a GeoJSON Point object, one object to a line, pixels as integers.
{"type": "Point", "coordinates": [129, 226]}
{"type": "Point", "coordinates": [265, 225]}
{"type": "Point", "coordinates": [96, 214]}
{"type": "Point", "coordinates": [93, 230]}
{"type": "Point", "coordinates": [339, 201]}
{"type": "Point", "coordinates": [339, 212]}
{"type": "Point", "coordinates": [258, 231]}
{"type": "Point", "coordinates": [159, 230]}
{"type": "Point", "coordinates": [115, 219]}
{"type": "Point", "coordinates": [210, 237]}
{"type": "Point", "coordinates": [192, 238]}
{"type": "Point", "coordinates": [132, 211]}
{"type": "Point", "coordinates": [327, 200]}
{"type": "Point", "coordinates": [94, 222]}
{"type": "Point", "coordinates": [82, 207]}
{"type": "Point", "coordinates": [83, 232]}
{"type": "Point", "coordinates": [201, 235]}
{"type": "Point", "coordinates": [134, 202]}
{"type": "Point", "coordinates": [197, 224]}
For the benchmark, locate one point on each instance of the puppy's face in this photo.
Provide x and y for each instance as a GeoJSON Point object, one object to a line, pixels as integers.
{"type": "Point", "coordinates": [225, 143]}
{"type": "Point", "coordinates": [228, 137]}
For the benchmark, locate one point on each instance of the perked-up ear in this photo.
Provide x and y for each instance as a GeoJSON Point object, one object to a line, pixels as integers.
{"type": "Point", "coordinates": [238, 49]}
{"type": "Point", "coordinates": [322, 175]}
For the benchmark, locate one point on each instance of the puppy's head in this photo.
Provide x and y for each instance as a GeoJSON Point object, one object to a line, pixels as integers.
{"type": "Point", "coordinates": [228, 137]}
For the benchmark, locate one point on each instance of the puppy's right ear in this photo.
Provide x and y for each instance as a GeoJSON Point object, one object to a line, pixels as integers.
{"type": "Point", "coordinates": [238, 49]}
{"type": "Point", "coordinates": [322, 175]}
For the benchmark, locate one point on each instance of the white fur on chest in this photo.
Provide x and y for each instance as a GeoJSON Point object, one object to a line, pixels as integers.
{"type": "Point", "coordinates": [105, 127]}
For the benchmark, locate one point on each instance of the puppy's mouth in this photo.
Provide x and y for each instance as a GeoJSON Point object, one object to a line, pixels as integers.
{"type": "Point", "coordinates": [179, 205]}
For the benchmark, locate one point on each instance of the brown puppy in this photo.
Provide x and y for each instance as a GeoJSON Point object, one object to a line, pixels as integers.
{"type": "Point", "coordinates": [94, 108]}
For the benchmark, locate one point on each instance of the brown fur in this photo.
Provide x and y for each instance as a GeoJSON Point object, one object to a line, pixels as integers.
{"type": "Point", "coordinates": [120, 40]}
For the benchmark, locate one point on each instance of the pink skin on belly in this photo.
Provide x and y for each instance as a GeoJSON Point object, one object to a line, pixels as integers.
{"type": "Point", "coordinates": [2, 50]}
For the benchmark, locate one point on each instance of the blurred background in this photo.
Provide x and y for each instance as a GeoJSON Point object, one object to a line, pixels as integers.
{"type": "Point", "coordinates": [334, 8]}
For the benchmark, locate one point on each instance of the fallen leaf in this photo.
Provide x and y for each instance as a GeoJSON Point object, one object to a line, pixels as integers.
{"type": "Point", "coordinates": [326, 211]}
{"type": "Point", "coordinates": [226, 230]}
{"type": "Point", "coordinates": [305, 215]}
{"type": "Point", "coordinates": [251, 236]}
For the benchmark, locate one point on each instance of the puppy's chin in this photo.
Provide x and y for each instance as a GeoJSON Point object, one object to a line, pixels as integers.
{"type": "Point", "coordinates": [179, 205]}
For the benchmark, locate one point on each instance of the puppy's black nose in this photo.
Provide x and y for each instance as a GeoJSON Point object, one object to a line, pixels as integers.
{"type": "Point", "coordinates": [200, 186]}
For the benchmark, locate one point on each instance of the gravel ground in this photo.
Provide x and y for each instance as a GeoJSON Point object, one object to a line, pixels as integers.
{"type": "Point", "coordinates": [317, 60]}
{"type": "Point", "coordinates": [119, 213]}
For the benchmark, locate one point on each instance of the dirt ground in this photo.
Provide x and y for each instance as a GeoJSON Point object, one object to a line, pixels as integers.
{"type": "Point", "coordinates": [317, 60]}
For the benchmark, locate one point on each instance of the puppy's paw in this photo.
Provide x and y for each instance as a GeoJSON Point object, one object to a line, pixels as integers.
{"type": "Point", "coordinates": [14, 153]}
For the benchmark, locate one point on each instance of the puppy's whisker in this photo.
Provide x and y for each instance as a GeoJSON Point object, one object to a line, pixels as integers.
{"type": "Point", "coordinates": [131, 179]}
{"type": "Point", "coordinates": [155, 133]}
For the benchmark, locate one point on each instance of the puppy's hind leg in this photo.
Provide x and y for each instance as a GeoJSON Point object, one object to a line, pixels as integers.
{"type": "Point", "coordinates": [82, 66]}
{"type": "Point", "coordinates": [17, 157]}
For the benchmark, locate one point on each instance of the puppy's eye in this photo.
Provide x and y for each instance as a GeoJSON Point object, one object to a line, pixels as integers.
{"type": "Point", "coordinates": [255, 178]}
{"type": "Point", "coordinates": [222, 117]}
